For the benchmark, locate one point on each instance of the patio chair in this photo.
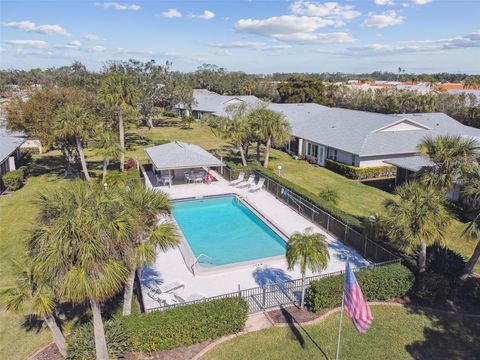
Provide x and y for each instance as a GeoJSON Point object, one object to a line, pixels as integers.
{"type": "Point", "coordinates": [240, 178]}
{"type": "Point", "coordinates": [188, 176]}
{"type": "Point", "coordinates": [249, 182]}
{"type": "Point", "coordinates": [169, 287]}
{"type": "Point", "coordinates": [258, 185]}
{"type": "Point", "coordinates": [198, 178]}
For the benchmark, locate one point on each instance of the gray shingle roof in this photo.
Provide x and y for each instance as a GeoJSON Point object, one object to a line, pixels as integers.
{"type": "Point", "coordinates": [412, 163]}
{"type": "Point", "coordinates": [9, 142]}
{"type": "Point", "coordinates": [180, 155]}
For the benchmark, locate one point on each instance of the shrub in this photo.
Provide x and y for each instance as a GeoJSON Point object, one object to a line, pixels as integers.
{"type": "Point", "coordinates": [357, 173]}
{"type": "Point", "coordinates": [13, 180]}
{"type": "Point", "coordinates": [471, 290]}
{"type": "Point", "coordinates": [382, 283]}
{"type": "Point", "coordinates": [432, 287]}
{"type": "Point", "coordinates": [186, 325]}
{"type": "Point", "coordinates": [81, 342]}
{"type": "Point", "coordinates": [170, 114]}
{"type": "Point", "coordinates": [116, 179]}
{"type": "Point", "coordinates": [187, 121]}
{"type": "Point", "coordinates": [271, 166]}
{"type": "Point", "coordinates": [316, 200]}
{"type": "Point", "coordinates": [30, 149]}
{"type": "Point", "coordinates": [24, 171]}
{"type": "Point", "coordinates": [329, 195]}
{"type": "Point", "coordinates": [131, 163]}
{"type": "Point", "coordinates": [444, 261]}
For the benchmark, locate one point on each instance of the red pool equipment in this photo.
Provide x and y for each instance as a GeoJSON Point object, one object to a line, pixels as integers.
{"type": "Point", "coordinates": [208, 178]}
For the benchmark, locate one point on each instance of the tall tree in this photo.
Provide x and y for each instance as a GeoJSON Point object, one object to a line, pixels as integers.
{"type": "Point", "coordinates": [273, 128]}
{"type": "Point", "coordinates": [417, 217]}
{"type": "Point", "coordinates": [448, 155]}
{"type": "Point", "coordinates": [308, 250]}
{"type": "Point", "coordinates": [77, 245]}
{"type": "Point", "coordinates": [37, 296]}
{"type": "Point", "coordinates": [108, 147]}
{"type": "Point", "coordinates": [74, 121]}
{"type": "Point", "coordinates": [302, 89]}
{"type": "Point", "coordinates": [117, 90]}
{"type": "Point", "coordinates": [145, 207]}
{"type": "Point", "coordinates": [235, 127]}
{"type": "Point", "coordinates": [471, 193]}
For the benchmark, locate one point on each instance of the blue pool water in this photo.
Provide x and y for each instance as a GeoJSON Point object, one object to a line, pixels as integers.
{"type": "Point", "coordinates": [226, 230]}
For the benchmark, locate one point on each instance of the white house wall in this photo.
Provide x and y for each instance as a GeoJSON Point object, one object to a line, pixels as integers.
{"type": "Point", "coordinates": [372, 161]}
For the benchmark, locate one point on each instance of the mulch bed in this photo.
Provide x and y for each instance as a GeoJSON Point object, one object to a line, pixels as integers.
{"type": "Point", "coordinates": [50, 352]}
{"type": "Point", "coordinates": [181, 353]}
{"type": "Point", "coordinates": [292, 314]}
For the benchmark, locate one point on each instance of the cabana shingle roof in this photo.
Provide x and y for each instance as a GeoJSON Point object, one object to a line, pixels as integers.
{"type": "Point", "coordinates": [180, 155]}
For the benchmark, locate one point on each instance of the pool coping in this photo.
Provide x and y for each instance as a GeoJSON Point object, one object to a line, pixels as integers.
{"type": "Point", "coordinates": [197, 268]}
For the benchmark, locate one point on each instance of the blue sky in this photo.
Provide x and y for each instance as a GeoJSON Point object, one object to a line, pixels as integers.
{"type": "Point", "coordinates": [253, 36]}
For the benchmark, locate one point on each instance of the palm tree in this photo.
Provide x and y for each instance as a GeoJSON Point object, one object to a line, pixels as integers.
{"type": "Point", "coordinates": [308, 250]}
{"type": "Point", "coordinates": [145, 206]}
{"type": "Point", "coordinates": [77, 245]}
{"type": "Point", "coordinates": [29, 291]}
{"type": "Point", "coordinates": [235, 127]}
{"type": "Point", "coordinates": [272, 127]}
{"type": "Point", "coordinates": [74, 122]}
{"type": "Point", "coordinates": [472, 195]}
{"type": "Point", "coordinates": [117, 90]}
{"type": "Point", "coordinates": [417, 218]}
{"type": "Point", "coordinates": [448, 154]}
{"type": "Point", "coordinates": [108, 147]}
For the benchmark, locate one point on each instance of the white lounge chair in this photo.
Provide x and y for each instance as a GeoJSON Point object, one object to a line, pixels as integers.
{"type": "Point", "coordinates": [249, 182]}
{"type": "Point", "coordinates": [240, 178]}
{"type": "Point", "coordinates": [258, 185]}
{"type": "Point", "coordinates": [175, 285]}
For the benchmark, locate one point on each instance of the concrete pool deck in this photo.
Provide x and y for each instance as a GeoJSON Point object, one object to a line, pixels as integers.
{"type": "Point", "coordinates": [170, 266]}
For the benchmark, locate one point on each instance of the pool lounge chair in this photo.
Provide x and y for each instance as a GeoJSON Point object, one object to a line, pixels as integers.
{"type": "Point", "coordinates": [258, 185]}
{"type": "Point", "coordinates": [175, 285]}
{"type": "Point", "coordinates": [240, 178]}
{"type": "Point", "coordinates": [249, 182]}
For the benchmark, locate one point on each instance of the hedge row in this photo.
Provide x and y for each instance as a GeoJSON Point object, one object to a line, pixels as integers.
{"type": "Point", "coordinates": [382, 283]}
{"type": "Point", "coordinates": [357, 173]}
{"type": "Point", "coordinates": [186, 325]}
{"type": "Point", "coordinates": [315, 199]}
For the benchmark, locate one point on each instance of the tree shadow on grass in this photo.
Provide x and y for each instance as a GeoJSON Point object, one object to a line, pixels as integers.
{"type": "Point", "coordinates": [448, 337]}
{"type": "Point", "coordinates": [295, 328]}
{"type": "Point", "coordinates": [47, 164]}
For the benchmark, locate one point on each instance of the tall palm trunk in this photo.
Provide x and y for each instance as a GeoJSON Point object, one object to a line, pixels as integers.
{"type": "Point", "coordinates": [128, 292]}
{"type": "Point", "coordinates": [471, 262]}
{"type": "Point", "coordinates": [242, 154]}
{"type": "Point", "coordinates": [105, 168]}
{"type": "Point", "coordinates": [302, 297]}
{"type": "Point", "coordinates": [57, 334]}
{"type": "Point", "coordinates": [121, 132]}
{"type": "Point", "coordinates": [82, 157]}
{"type": "Point", "coordinates": [258, 151]}
{"type": "Point", "coordinates": [267, 151]}
{"type": "Point", "coordinates": [69, 161]}
{"type": "Point", "coordinates": [101, 349]}
{"type": "Point", "coordinates": [422, 257]}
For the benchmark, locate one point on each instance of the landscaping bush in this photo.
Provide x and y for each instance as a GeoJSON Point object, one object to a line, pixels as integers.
{"type": "Point", "coordinates": [444, 261]}
{"type": "Point", "coordinates": [432, 287]}
{"type": "Point", "coordinates": [131, 163]}
{"type": "Point", "coordinates": [316, 200]}
{"type": "Point", "coordinates": [170, 114]}
{"type": "Point", "coordinates": [330, 195]}
{"type": "Point", "coordinates": [186, 325]}
{"type": "Point", "coordinates": [357, 173]}
{"type": "Point", "coordinates": [471, 290]}
{"type": "Point", "coordinates": [116, 178]}
{"type": "Point", "coordinates": [81, 342]}
{"type": "Point", "coordinates": [24, 171]}
{"type": "Point", "coordinates": [382, 283]}
{"type": "Point", "coordinates": [31, 149]}
{"type": "Point", "coordinates": [13, 180]}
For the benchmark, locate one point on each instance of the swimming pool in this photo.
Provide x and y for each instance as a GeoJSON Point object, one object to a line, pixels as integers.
{"type": "Point", "coordinates": [226, 231]}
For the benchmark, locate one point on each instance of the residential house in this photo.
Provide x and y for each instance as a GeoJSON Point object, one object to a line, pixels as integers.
{"type": "Point", "coordinates": [9, 153]}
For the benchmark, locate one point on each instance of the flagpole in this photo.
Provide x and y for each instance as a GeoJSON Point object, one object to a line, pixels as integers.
{"type": "Point", "coordinates": [340, 327]}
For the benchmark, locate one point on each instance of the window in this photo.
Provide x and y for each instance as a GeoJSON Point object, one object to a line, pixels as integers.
{"type": "Point", "coordinates": [312, 150]}
{"type": "Point", "coordinates": [353, 160]}
{"type": "Point", "coordinates": [332, 154]}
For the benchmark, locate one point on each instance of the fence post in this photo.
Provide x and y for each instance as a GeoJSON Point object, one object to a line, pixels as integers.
{"type": "Point", "coordinates": [263, 297]}
{"type": "Point", "coordinates": [239, 291]}
{"type": "Point", "coordinates": [345, 234]}
{"type": "Point", "coordinates": [328, 223]}
{"type": "Point", "coordinates": [365, 247]}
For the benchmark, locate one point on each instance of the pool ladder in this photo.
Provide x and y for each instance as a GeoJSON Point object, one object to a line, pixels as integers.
{"type": "Point", "coordinates": [196, 261]}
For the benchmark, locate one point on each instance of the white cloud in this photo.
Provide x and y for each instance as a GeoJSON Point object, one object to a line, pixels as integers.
{"type": "Point", "coordinates": [2, 49]}
{"type": "Point", "coordinates": [29, 26]}
{"type": "Point", "coordinates": [243, 44]}
{"type": "Point", "coordinates": [206, 15]}
{"type": "Point", "coordinates": [117, 6]}
{"type": "Point", "coordinates": [39, 44]}
{"type": "Point", "coordinates": [92, 37]}
{"type": "Point", "coordinates": [172, 13]}
{"type": "Point", "coordinates": [329, 10]}
{"type": "Point", "coordinates": [293, 28]}
{"type": "Point", "coordinates": [384, 2]}
{"type": "Point", "coordinates": [388, 18]}
{"type": "Point", "coordinates": [421, 2]}
{"type": "Point", "coordinates": [223, 52]}
{"type": "Point", "coordinates": [471, 40]}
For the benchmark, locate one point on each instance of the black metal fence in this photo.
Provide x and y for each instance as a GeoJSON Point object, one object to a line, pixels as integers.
{"type": "Point", "coordinates": [369, 249]}
{"type": "Point", "coordinates": [270, 296]}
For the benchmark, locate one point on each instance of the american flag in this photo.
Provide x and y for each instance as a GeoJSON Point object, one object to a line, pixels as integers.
{"type": "Point", "coordinates": [354, 302]}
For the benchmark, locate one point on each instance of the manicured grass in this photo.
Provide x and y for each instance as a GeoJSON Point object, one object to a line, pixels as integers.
{"type": "Point", "coordinates": [17, 212]}
{"type": "Point", "coordinates": [396, 333]}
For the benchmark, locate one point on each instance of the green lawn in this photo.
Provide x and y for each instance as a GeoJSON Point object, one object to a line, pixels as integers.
{"type": "Point", "coordinates": [396, 333]}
